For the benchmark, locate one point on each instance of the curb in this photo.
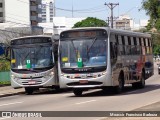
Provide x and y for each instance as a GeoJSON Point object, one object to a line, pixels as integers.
{"type": "Point", "coordinates": [10, 94]}
{"type": "Point", "coordinates": [21, 92]}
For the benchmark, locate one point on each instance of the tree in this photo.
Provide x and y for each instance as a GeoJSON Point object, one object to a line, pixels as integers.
{"type": "Point", "coordinates": [90, 22]}
{"type": "Point", "coordinates": [152, 8]}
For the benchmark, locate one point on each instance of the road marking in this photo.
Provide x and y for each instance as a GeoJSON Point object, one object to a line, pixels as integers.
{"type": "Point", "coordinates": [5, 118]}
{"type": "Point", "coordinates": [67, 94]}
{"type": "Point", "coordinates": [132, 91]}
{"type": "Point", "coordinates": [11, 103]}
{"type": "Point", "coordinates": [101, 118]}
{"type": "Point", "coordinates": [85, 102]}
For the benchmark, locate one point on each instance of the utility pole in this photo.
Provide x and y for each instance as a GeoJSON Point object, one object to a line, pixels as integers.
{"type": "Point", "coordinates": [72, 8]}
{"type": "Point", "coordinates": [111, 7]}
{"type": "Point", "coordinates": [108, 21]}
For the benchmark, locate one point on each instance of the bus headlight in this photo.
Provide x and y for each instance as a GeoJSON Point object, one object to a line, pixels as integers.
{"type": "Point", "coordinates": [52, 73]}
{"type": "Point", "coordinates": [103, 73]}
{"type": "Point", "coordinates": [12, 76]}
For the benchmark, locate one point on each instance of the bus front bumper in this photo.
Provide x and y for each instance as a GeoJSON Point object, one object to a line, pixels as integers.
{"type": "Point", "coordinates": [104, 80]}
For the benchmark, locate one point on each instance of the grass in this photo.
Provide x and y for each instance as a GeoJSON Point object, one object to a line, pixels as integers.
{"type": "Point", "coordinates": [5, 82]}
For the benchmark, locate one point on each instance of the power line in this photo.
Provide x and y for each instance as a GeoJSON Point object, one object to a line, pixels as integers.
{"type": "Point", "coordinates": [88, 11]}
{"type": "Point", "coordinates": [70, 10]}
{"type": "Point", "coordinates": [93, 11]}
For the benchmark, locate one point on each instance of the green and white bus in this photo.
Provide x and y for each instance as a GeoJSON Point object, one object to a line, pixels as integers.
{"type": "Point", "coordinates": [104, 57]}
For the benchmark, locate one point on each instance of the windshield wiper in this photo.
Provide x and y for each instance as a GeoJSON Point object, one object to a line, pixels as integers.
{"type": "Point", "coordinates": [74, 47]}
{"type": "Point", "coordinates": [91, 45]}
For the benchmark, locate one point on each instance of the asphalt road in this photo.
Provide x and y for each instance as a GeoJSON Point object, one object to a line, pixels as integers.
{"type": "Point", "coordinates": [92, 100]}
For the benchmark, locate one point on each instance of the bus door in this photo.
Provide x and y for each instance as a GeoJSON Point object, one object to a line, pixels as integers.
{"type": "Point", "coordinates": [128, 59]}
{"type": "Point", "coordinates": [113, 57]}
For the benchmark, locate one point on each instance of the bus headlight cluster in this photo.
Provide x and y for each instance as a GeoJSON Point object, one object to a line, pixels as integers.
{"type": "Point", "coordinates": [51, 74]}
{"type": "Point", "coordinates": [103, 73]}
{"type": "Point", "coordinates": [13, 77]}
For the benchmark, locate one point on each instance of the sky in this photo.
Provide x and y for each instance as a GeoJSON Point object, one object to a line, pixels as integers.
{"type": "Point", "coordinates": [96, 8]}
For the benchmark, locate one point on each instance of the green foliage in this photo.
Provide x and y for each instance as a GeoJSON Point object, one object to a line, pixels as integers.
{"type": "Point", "coordinates": [157, 25]}
{"type": "Point", "coordinates": [156, 43]}
{"type": "Point", "coordinates": [90, 22]}
{"type": "Point", "coordinates": [156, 50]}
{"type": "Point", "coordinates": [152, 8]}
{"type": "Point", "coordinates": [5, 82]}
{"type": "Point", "coordinates": [142, 30]}
{"type": "Point", "coordinates": [4, 65]}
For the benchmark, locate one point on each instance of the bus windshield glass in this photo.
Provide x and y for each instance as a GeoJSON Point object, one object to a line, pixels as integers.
{"type": "Point", "coordinates": [83, 52]}
{"type": "Point", "coordinates": [34, 57]}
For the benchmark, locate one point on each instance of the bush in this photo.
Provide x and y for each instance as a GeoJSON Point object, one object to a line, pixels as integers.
{"type": "Point", "coordinates": [5, 82]}
{"type": "Point", "coordinates": [4, 65]}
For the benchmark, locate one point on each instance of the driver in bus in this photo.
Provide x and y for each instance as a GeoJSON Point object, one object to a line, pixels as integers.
{"type": "Point", "coordinates": [102, 52]}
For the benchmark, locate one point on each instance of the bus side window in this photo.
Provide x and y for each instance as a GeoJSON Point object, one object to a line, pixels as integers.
{"type": "Point", "coordinates": [113, 50]}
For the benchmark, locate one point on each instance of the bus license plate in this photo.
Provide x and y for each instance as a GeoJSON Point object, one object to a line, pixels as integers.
{"type": "Point", "coordinates": [32, 82]}
{"type": "Point", "coordinates": [83, 81]}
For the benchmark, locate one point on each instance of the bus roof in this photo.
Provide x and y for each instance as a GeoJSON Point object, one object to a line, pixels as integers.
{"type": "Point", "coordinates": [108, 29]}
{"type": "Point", "coordinates": [31, 36]}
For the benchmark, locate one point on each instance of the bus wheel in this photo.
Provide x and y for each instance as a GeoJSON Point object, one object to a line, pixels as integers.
{"type": "Point", "coordinates": [141, 84]}
{"type": "Point", "coordinates": [57, 88]}
{"type": "Point", "coordinates": [29, 90]}
{"type": "Point", "coordinates": [77, 92]}
{"type": "Point", "coordinates": [118, 89]}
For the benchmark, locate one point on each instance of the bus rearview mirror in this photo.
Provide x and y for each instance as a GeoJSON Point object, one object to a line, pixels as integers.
{"type": "Point", "coordinates": [2, 48]}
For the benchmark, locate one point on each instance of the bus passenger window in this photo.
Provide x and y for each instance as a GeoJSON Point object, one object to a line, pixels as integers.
{"type": "Point", "coordinates": [113, 50]}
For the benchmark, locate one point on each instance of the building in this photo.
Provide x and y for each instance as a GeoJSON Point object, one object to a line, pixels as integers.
{"type": "Point", "coordinates": [123, 23]}
{"type": "Point", "coordinates": [19, 18]}
{"type": "Point", "coordinates": [35, 12]}
{"type": "Point", "coordinates": [48, 11]}
{"type": "Point", "coordinates": [59, 24]}
{"type": "Point", "coordinates": [126, 23]}
{"type": "Point", "coordinates": [1, 10]}
{"type": "Point", "coordinates": [24, 12]}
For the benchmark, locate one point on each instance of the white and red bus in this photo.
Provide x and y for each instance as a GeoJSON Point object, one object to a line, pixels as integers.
{"type": "Point", "coordinates": [104, 57]}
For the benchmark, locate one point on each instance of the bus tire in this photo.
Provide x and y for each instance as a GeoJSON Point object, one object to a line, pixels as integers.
{"type": "Point", "coordinates": [118, 89]}
{"type": "Point", "coordinates": [141, 84]}
{"type": "Point", "coordinates": [77, 92]}
{"type": "Point", "coordinates": [57, 88]}
{"type": "Point", "coordinates": [29, 90]}
{"type": "Point", "coordinates": [134, 85]}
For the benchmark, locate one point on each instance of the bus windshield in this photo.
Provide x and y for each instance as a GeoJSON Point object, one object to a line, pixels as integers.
{"type": "Point", "coordinates": [91, 52]}
{"type": "Point", "coordinates": [31, 57]}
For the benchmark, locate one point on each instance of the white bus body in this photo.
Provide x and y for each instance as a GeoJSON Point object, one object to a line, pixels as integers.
{"type": "Point", "coordinates": [128, 59]}
{"type": "Point", "coordinates": [32, 63]}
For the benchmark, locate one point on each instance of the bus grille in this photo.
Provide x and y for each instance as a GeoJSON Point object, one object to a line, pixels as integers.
{"type": "Point", "coordinates": [30, 77]}
{"type": "Point", "coordinates": [89, 83]}
{"type": "Point", "coordinates": [28, 82]}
